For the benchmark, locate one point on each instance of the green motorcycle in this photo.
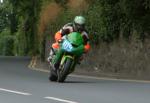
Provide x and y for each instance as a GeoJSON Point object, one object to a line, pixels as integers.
{"type": "Point", "coordinates": [71, 49]}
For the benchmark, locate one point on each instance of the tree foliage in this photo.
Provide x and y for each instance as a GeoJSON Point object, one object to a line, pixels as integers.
{"type": "Point", "coordinates": [107, 20]}
{"type": "Point", "coordinates": [7, 43]}
{"type": "Point", "coordinates": [4, 16]}
{"type": "Point", "coordinates": [23, 20]}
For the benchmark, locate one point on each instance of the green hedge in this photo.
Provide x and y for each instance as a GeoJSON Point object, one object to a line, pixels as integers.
{"type": "Point", "coordinates": [108, 20]}
{"type": "Point", "coordinates": [6, 44]}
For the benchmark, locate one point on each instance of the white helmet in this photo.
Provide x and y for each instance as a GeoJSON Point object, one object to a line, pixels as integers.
{"type": "Point", "coordinates": [79, 20]}
{"type": "Point", "coordinates": [79, 23]}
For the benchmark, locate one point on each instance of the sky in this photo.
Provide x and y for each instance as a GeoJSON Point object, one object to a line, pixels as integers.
{"type": "Point", "coordinates": [1, 1]}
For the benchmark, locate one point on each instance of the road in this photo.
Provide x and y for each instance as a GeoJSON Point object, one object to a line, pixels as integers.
{"type": "Point", "coordinates": [19, 84]}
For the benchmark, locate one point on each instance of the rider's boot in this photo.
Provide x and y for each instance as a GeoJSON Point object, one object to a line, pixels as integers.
{"type": "Point", "coordinates": [80, 59]}
{"type": "Point", "coordinates": [51, 54]}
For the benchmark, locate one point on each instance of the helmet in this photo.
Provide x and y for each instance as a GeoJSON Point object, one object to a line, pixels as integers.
{"type": "Point", "coordinates": [79, 23]}
{"type": "Point", "coordinates": [79, 20]}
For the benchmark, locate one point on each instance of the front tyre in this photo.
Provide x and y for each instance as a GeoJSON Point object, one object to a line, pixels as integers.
{"type": "Point", "coordinates": [64, 71]}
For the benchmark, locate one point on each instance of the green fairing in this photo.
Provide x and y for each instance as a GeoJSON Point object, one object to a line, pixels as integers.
{"type": "Point", "coordinates": [78, 51]}
{"type": "Point", "coordinates": [75, 38]}
{"type": "Point", "coordinates": [58, 56]}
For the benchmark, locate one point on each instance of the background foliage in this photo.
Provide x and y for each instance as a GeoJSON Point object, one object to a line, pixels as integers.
{"type": "Point", "coordinates": [107, 20]}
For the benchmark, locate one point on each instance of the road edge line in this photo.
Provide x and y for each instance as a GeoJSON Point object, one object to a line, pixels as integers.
{"type": "Point", "coordinates": [93, 77]}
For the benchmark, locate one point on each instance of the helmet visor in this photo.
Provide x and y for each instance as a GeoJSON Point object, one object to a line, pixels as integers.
{"type": "Point", "coordinates": [79, 27]}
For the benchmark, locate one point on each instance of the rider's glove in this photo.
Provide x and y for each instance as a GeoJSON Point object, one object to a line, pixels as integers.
{"type": "Point", "coordinates": [87, 47]}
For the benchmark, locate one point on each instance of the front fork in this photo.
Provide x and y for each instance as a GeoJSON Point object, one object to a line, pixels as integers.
{"type": "Point", "coordinates": [64, 58]}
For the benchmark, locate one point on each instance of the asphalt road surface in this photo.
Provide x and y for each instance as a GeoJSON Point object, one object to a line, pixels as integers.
{"type": "Point", "coordinates": [19, 84]}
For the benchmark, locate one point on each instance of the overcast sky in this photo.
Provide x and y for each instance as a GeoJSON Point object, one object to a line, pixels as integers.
{"type": "Point", "coordinates": [1, 1]}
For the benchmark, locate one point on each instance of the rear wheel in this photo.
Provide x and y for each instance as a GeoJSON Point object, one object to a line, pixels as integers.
{"type": "Point", "coordinates": [53, 76]}
{"type": "Point", "coordinates": [64, 71]}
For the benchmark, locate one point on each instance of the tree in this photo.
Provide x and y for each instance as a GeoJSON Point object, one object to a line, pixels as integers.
{"type": "Point", "coordinates": [27, 12]}
{"type": "Point", "coordinates": [4, 17]}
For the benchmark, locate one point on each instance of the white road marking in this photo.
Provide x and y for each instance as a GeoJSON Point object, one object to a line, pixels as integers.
{"type": "Point", "coordinates": [16, 92]}
{"type": "Point", "coordinates": [60, 100]}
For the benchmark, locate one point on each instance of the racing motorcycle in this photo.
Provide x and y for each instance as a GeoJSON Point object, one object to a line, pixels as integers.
{"type": "Point", "coordinates": [71, 49]}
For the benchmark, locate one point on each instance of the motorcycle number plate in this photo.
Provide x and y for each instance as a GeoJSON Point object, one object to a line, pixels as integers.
{"type": "Point", "coordinates": [67, 46]}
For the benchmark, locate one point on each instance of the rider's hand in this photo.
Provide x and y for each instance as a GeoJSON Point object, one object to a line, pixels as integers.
{"type": "Point", "coordinates": [60, 40]}
{"type": "Point", "coordinates": [87, 47]}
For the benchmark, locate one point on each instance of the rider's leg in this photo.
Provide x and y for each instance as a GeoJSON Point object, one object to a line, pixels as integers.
{"type": "Point", "coordinates": [56, 61]}
{"type": "Point", "coordinates": [53, 50]}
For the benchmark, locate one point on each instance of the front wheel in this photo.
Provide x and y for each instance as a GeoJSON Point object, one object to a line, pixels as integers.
{"type": "Point", "coordinates": [64, 71]}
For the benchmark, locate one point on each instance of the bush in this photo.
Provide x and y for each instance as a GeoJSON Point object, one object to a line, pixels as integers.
{"type": "Point", "coordinates": [6, 44]}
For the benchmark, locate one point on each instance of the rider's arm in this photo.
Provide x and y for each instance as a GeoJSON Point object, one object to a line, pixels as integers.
{"type": "Point", "coordinates": [87, 47]}
{"type": "Point", "coordinates": [64, 32]}
{"type": "Point", "coordinates": [86, 42]}
{"type": "Point", "coordinates": [58, 36]}
{"type": "Point", "coordinates": [66, 29]}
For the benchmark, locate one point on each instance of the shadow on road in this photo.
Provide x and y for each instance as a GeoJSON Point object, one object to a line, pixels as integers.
{"type": "Point", "coordinates": [79, 82]}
